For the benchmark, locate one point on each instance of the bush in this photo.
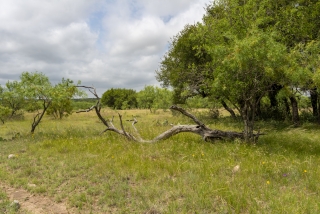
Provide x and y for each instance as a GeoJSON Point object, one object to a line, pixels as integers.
{"type": "Point", "coordinates": [119, 98]}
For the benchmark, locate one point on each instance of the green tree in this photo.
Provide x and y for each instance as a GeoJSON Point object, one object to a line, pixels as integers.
{"type": "Point", "coordinates": [198, 102]}
{"type": "Point", "coordinates": [153, 98]}
{"type": "Point", "coordinates": [62, 98]}
{"type": "Point", "coordinates": [306, 70]}
{"type": "Point", "coordinates": [12, 98]}
{"type": "Point", "coordinates": [241, 59]}
{"type": "Point", "coordinates": [298, 25]}
{"type": "Point", "coordinates": [246, 70]}
{"type": "Point", "coordinates": [4, 113]}
{"type": "Point", "coordinates": [37, 89]}
{"type": "Point", "coordinates": [188, 67]}
{"type": "Point", "coordinates": [184, 67]}
{"type": "Point", "coordinates": [163, 98]}
{"type": "Point", "coordinates": [224, 51]}
{"type": "Point", "coordinates": [119, 98]}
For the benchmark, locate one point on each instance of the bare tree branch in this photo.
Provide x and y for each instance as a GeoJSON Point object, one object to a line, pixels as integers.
{"type": "Point", "coordinates": [86, 110]}
{"type": "Point", "coordinates": [136, 130]}
{"type": "Point", "coordinates": [184, 112]}
{"type": "Point", "coordinates": [111, 121]}
{"type": "Point", "coordinates": [121, 125]}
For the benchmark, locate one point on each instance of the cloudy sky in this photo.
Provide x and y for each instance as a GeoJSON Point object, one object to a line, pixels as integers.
{"type": "Point", "coordinates": [103, 43]}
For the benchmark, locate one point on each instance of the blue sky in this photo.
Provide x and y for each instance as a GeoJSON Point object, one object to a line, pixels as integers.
{"type": "Point", "coordinates": [103, 43]}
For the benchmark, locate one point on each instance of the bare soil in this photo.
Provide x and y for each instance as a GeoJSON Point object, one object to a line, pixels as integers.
{"type": "Point", "coordinates": [35, 204]}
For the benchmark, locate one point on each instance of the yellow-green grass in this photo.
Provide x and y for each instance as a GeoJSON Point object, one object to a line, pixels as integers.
{"type": "Point", "coordinates": [70, 162]}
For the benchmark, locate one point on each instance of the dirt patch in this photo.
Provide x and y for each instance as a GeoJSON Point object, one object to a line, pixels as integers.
{"type": "Point", "coordinates": [35, 204]}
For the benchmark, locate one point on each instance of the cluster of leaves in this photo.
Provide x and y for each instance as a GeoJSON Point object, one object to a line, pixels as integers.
{"type": "Point", "coordinates": [244, 51]}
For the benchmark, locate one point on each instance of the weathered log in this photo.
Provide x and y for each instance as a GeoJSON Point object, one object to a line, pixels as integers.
{"type": "Point", "coordinates": [201, 129]}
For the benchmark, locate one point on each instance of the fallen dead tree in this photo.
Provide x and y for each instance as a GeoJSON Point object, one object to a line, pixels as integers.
{"type": "Point", "coordinates": [200, 128]}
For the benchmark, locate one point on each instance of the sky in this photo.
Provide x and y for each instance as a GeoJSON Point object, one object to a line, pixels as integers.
{"type": "Point", "coordinates": [103, 43]}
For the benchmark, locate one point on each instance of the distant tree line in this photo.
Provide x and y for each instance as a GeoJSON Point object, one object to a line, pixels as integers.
{"type": "Point", "coordinates": [150, 97]}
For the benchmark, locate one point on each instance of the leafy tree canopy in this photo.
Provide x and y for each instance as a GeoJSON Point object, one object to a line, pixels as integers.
{"type": "Point", "coordinates": [35, 89]}
{"type": "Point", "coordinates": [119, 98]}
{"type": "Point", "coordinates": [11, 97]}
{"type": "Point", "coordinates": [243, 51]}
{"type": "Point", "coordinates": [153, 98]}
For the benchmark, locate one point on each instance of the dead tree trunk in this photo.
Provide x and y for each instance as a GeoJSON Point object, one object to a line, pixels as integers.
{"type": "Point", "coordinates": [200, 128]}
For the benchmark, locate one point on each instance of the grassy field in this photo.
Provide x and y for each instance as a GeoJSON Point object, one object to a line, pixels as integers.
{"type": "Point", "coordinates": [70, 162]}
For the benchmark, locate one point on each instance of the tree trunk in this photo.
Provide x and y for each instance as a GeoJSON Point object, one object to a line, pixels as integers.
{"type": "Point", "coordinates": [38, 117]}
{"type": "Point", "coordinates": [248, 115]}
{"type": "Point", "coordinates": [224, 104]}
{"type": "Point", "coordinates": [314, 101]}
{"type": "Point", "coordinates": [286, 104]}
{"type": "Point", "coordinates": [295, 111]}
{"type": "Point", "coordinates": [258, 107]}
{"type": "Point", "coordinates": [275, 88]}
{"type": "Point", "coordinates": [273, 94]}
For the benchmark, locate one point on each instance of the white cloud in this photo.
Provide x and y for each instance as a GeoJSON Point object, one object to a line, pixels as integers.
{"type": "Point", "coordinates": [145, 36]}
{"type": "Point", "coordinates": [100, 42]}
{"type": "Point", "coordinates": [165, 8]}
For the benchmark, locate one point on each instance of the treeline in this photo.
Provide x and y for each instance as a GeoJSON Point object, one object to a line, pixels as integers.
{"type": "Point", "coordinates": [254, 57]}
{"type": "Point", "coordinates": [150, 97]}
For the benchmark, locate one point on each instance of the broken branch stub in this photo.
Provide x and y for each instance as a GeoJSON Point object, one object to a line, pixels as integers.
{"type": "Point", "coordinates": [201, 129]}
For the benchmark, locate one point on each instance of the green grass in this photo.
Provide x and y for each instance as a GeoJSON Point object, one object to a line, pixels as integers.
{"type": "Point", "coordinates": [70, 162]}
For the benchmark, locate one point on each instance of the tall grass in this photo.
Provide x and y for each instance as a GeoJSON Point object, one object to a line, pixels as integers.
{"type": "Point", "coordinates": [69, 161]}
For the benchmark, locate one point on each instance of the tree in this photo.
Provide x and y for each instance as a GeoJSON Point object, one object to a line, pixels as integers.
{"type": "Point", "coordinates": [240, 66]}
{"type": "Point", "coordinates": [119, 98]}
{"type": "Point", "coordinates": [12, 98]}
{"type": "Point", "coordinates": [245, 72]}
{"type": "Point", "coordinates": [226, 48]}
{"type": "Point", "coordinates": [153, 98]}
{"type": "Point", "coordinates": [62, 95]}
{"type": "Point", "coordinates": [4, 113]}
{"type": "Point", "coordinates": [307, 68]}
{"type": "Point", "coordinates": [36, 88]}
{"type": "Point", "coordinates": [184, 67]}
{"type": "Point", "coordinates": [298, 26]}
